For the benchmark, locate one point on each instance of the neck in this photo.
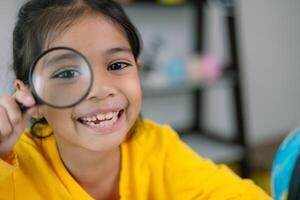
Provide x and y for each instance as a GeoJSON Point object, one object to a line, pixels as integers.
{"type": "Point", "coordinates": [93, 170]}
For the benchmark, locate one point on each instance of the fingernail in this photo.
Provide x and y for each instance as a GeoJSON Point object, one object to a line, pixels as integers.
{"type": "Point", "coordinates": [29, 100]}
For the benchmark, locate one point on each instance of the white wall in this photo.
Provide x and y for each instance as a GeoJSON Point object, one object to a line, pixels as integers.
{"type": "Point", "coordinates": [270, 32]}
{"type": "Point", "coordinates": [8, 13]}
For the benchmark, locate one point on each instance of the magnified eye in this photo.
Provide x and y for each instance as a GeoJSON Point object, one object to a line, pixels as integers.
{"type": "Point", "coordinates": [67, 74]}
{"type": "Point", "coordinates": [117, 66]}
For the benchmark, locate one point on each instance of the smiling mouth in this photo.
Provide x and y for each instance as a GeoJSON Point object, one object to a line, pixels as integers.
{"type": "Point", "coordinates": [101, 120]}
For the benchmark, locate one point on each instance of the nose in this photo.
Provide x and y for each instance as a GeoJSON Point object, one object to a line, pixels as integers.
{"type": "Point", "coordinates": [103, 85]}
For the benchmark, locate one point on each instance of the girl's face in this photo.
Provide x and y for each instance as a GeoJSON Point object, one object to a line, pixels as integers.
{"type": "Point", "coordinates": [103, 119]}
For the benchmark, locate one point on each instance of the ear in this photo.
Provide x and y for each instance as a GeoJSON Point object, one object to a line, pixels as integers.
{"type": "Point", "coordinates": [19, 85]}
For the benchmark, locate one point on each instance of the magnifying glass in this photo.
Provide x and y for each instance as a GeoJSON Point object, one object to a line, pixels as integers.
{"type": "Point", "coordinates": [61, 77]}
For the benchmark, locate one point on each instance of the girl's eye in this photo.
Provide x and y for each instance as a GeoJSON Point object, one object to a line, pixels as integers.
{"type": "Point", "coordinates": [67, 74]}
{"type": "Point", "coordinates": [117, 66]}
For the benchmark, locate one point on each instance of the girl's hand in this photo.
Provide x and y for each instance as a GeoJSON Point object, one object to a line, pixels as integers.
{"type": "Point", "coordinates": [12, 120]}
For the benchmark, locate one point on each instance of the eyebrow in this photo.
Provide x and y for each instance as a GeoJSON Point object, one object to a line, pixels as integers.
{"type": "Point", "coordinates": [70, 55]}
{"type": "Point", "coordinates": [118, 49]}
{"type": "Point", "coordinates": [66, 56]}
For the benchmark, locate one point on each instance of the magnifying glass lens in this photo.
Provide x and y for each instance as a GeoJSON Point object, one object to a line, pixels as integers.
{"type": "Point", "coordinates": [61, 78]}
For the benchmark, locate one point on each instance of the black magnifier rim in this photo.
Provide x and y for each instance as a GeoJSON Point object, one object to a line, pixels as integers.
{"type": "Point", "coordinates": [32, 68]}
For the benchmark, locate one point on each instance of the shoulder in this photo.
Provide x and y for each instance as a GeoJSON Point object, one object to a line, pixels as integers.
{"type": "Point", "coordinates": [149, 126]}
{"type": "Point", "coordinates": [149, 144]}
{"type": "Point", "coordinates": [160, 144]}
{"type": "Point", "coordinates": [156, 151]}
{"type": "Point", "coordinates": [151, 134]}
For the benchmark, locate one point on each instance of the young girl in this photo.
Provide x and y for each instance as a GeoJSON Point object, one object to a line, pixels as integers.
{"type": "Point", "coordinates": [118, 157]}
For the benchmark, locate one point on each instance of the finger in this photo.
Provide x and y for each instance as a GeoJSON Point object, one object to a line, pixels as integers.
{"type": "Point", "coordinates": [29, 114]}
{"type": "Point", "coordinates": [12, 109]}
{"type": "Point", "coordinates": [19, 129]}
{"type": "Point", "coordinates": [24, 97]}
{"type": "Point", "coordinates": [5, 125]}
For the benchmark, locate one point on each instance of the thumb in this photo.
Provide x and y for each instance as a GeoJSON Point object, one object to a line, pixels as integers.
{"type": "Point", "coordinates": [29, 114]}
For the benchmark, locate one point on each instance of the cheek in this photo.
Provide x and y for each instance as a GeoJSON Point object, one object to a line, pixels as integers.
{"type": "Point", "coordinates": [58, 118]}
{"type": "Point", "coordinates": [132, 89]}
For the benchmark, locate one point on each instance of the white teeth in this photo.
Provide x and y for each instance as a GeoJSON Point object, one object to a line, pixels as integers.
{"type": "Point", "coordinates": [100, 117]}
{"type": "Point", "coordinates": [103, 123]}
{"type": "Point", "coordinates": [109, 115]}
{"type": "Point", "coordinates": [107, 119]}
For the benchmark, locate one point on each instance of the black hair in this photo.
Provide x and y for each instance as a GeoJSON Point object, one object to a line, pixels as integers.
{"type": "Point", "coordinates": [40, 21]}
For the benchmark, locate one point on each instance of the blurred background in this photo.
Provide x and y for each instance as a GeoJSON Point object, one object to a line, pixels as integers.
{"type": "Point", "coordinates": [223, 73]}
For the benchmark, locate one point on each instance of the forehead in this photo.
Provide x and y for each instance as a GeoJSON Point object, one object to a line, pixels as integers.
{"type": "Point", "coordinates": [92, 31]}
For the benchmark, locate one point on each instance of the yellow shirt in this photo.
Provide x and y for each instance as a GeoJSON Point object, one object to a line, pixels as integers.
{"type": "Point", "coordinates": [155, 165]}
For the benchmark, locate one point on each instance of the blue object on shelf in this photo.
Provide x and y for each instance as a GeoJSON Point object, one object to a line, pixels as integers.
{"type": "Point", "coordinates": [175, 70]}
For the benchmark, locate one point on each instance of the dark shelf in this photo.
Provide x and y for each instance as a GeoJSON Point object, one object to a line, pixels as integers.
{"type": "Point", "coordinates": [227, 80]}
